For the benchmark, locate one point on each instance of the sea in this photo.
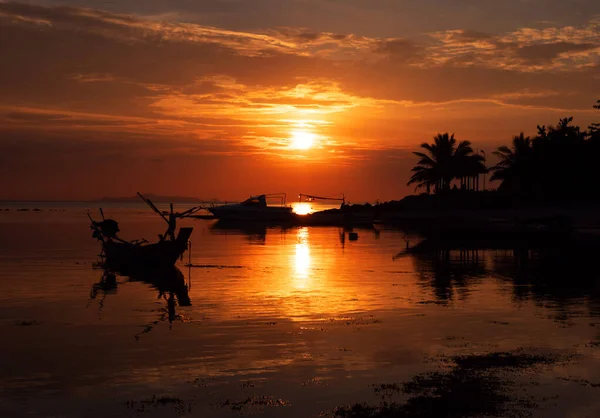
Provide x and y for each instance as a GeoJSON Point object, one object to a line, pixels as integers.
{"type": "Point", "coordinates": [289, 322]}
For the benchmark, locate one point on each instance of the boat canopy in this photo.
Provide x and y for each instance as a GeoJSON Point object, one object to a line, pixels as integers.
{"type": "Point", "coordinates": [260, 200]}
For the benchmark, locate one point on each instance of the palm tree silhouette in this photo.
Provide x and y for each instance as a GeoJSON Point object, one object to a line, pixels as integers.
{"type": "Point", "coordinates": [516, 167]}
{"type": "Point", "coordinates": [425, 174]}
{"type": "Point", "coordinates": [557, 164]}
{"type": "Point", "coordinates": [467, 169]}
{"type": "Point", "coordinates": [444, 161]}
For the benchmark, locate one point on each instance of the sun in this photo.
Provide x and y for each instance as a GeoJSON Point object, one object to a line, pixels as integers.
{"type": "Point", "coordinates": [302, 208]}
{"type": "Point", "coordinates": [302, 140]}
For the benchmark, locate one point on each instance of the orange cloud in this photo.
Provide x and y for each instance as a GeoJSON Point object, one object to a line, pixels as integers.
{"type": "Point", "coordinates": [526, 49]}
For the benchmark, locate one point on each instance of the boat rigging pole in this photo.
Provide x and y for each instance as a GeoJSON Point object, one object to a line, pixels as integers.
{"type": "Point", "coordinates": [172, 219]}
{"type": "Point", "coordinates": [311, 197]}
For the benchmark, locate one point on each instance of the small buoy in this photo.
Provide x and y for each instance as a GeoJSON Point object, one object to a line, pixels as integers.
{"type": "Point", "coordinates": [353, 236]}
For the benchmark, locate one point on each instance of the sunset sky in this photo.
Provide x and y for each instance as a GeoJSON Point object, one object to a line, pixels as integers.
{"type": "Point", "coordinates": [226, 98]}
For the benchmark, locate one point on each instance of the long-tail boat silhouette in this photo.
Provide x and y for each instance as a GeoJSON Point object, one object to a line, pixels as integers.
{"type": "Point", "coordinates": [119, 253]}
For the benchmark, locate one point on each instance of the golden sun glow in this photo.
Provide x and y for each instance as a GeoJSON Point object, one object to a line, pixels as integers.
{"type": "Point", "coordinates": [302, 140]}
{"type": "Point", "coordinates": [302, 261]}
{"type": "Point", "coordinates": [302, 208]}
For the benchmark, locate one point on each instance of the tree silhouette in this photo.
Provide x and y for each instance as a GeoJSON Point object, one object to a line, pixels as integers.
{"type": "Point", "coordinates": [591, 155]}
{"type": "Point", "coordinates": [444, 161]}
{"type": "Point", "coordinates": [468, 167]}
{"type": "Point", "coordinates": [558, 164]}
{"type": "Point", "coordinates": [559, 153]}
{"type": "Point", "coordinates": [425, 173]}
{"type": "Point", "coordinates": [516, 165]}
{"type": "Point", "coordinates": [594, 128]}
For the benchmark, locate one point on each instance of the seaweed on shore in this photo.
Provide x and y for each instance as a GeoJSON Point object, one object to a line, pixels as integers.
{"type": "Point", "coordinates": [145, 405]}
{"type": "Point", "coordinates": [254, 401]}
{"type": "Point", "coordinates": [475, 385]}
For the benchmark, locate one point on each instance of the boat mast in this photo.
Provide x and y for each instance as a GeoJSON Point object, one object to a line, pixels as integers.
{"type": "Point", "coordinates": [172, 219]}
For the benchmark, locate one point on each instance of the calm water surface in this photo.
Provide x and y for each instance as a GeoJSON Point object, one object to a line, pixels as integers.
{"type": "Point", "coordinates": [274, 322]}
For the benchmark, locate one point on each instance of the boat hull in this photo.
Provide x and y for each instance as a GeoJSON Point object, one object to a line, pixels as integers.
{"type": "Point", "coordinates": [165, 253]}
{"type": "Point", "coordinates": [119, 255]}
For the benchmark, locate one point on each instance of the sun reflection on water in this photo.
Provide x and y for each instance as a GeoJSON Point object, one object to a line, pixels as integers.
{"type": "Point", "coordinates": [302, 261]}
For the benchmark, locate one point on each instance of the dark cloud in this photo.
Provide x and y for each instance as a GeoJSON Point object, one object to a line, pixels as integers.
{"type": "Point", "coordinates": [543, 53]}
{"type": "Point", "coordinates": [403, 50]}
{"type": "Point", "coordinates": [307, 36]}
{"type": "Point", "coordinates": [34, 117]}
{"type": "Point", "coordinates": [52, 120]}
{"type": "Point", "coordinates": [467, 36]}
{"type": "Point", "coordinates": [450, 83]}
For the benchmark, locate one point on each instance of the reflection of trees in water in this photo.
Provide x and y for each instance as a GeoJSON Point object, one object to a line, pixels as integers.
{"type": "Point", "coordinates": [563, 279]}
{"type": "Point", "coordinates": [169, 282]}
{"type": "Point", "coordinates": [448, 272]}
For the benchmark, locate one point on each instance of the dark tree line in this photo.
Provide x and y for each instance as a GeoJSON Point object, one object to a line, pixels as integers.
{"type": "Point", "coordinates": [559, 163]}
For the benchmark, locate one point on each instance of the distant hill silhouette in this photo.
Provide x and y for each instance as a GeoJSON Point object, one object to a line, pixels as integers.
{"type": "Point", "coordinates": [154, 198]}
